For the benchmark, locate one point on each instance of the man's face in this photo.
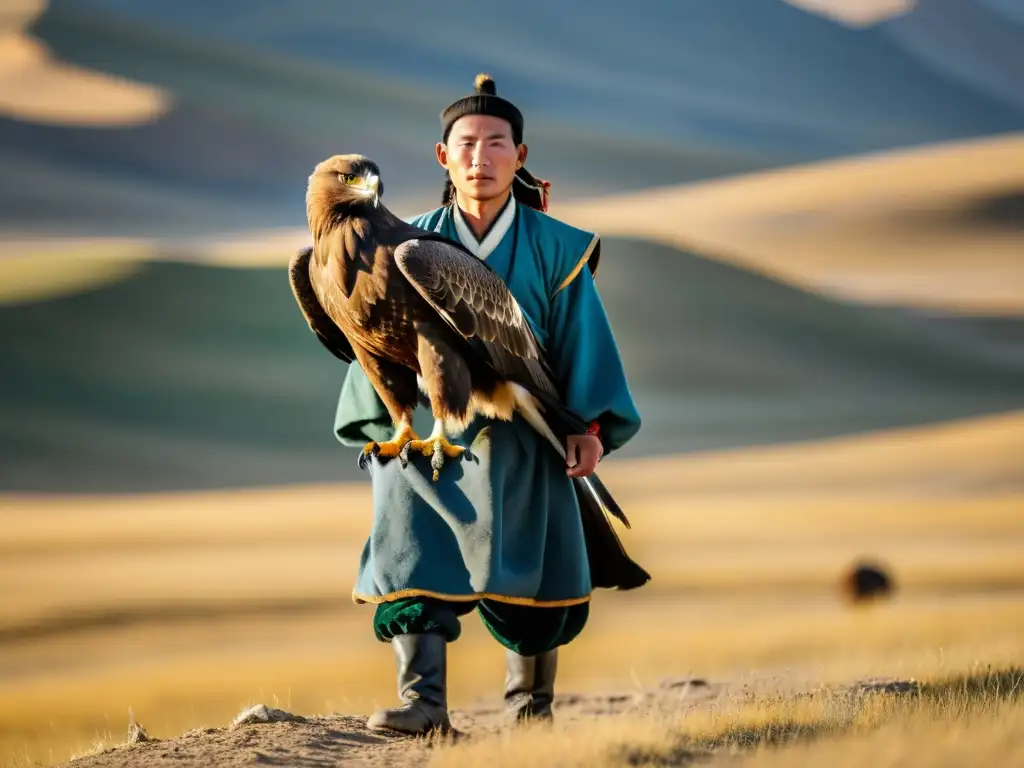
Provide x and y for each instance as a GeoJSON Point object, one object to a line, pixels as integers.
{"type": "Point", "coordinates": [480, 156]}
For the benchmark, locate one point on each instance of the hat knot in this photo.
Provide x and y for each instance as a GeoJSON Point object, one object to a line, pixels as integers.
{"type": "Point", "coordinates": [485, 84]}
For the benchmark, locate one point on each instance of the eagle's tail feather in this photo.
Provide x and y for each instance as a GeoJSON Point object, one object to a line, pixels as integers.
{"type": "Point", "coordinates": [605, 497]}
{"type": "Point", "coordinates": [540, 411]}
{"type": "Point", "coordinates": [529, 408]}
{"type": "Point", "coordinates": [610, 565]}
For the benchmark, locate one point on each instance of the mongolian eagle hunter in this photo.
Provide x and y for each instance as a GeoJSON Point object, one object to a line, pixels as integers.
{"type": "Point", "coordinates": [418, 312]}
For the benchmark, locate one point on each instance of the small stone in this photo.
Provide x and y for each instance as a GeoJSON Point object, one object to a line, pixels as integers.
{"type": "Point", "coordinates": [886, 686]}
{"type": "Point", "coordinates": [136, 733]}
{"type": "Point", "coordinates": [261, 713]}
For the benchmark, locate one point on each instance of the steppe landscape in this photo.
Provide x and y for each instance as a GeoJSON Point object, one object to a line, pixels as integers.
{"type": "Point", "coordinates": [816, 282]}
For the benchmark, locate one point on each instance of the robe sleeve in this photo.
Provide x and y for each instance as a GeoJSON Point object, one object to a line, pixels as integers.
{"type": "Point", "coordinates": [585, 357]}
{"type": "Point", "coordinates": [360, 416]}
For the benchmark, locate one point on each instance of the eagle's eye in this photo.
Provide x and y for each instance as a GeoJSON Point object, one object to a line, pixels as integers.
{"type": "Point", "coordinates": [348, 178]}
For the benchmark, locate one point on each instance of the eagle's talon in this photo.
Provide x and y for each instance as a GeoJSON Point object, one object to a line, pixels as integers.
{"type": "Point", "coordinates": [403, 455]}
{"type": "Point", "coordinates": [434, 448]}
{"type": "Point", "coordinates": [440, 449]}
{"type": "Point", "coordinates": [389, 449]}
{"type": "Point", "coordinates": [437, 459]}
{"type": "Point", "coordinates": [451, 451]}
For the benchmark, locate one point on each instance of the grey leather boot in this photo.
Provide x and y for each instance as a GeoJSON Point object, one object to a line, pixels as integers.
{"type": "Point", "coordinates": [422, 685]}
{"type": "Point", "coordinates": [530, 685]}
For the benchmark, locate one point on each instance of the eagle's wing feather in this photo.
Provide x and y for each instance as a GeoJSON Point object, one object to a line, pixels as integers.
{"type": "Point", "coordinates": [319, 322]}
{"type": "Point", "coordinates": [476, 302]}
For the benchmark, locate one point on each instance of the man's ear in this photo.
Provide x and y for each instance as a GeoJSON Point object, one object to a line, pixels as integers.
{"type": "Point", "coordinates": [442, 155]}
{"type": "Point", "coordinates": [522, 156]}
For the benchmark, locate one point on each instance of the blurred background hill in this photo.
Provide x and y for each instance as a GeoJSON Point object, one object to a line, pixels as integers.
{"type": "Point", "coordinates": [149, 340]}
{"type": "Point", "coordinates": [661, 95]}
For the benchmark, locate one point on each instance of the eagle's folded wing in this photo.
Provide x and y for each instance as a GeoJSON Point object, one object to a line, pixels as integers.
{"type": "Point", "coordinates": [477, 303]}
{"type": "Point", "coordinates": [319, 322]}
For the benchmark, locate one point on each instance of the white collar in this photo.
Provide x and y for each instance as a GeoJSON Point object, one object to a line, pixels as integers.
{"type": "Point", "coordinates": [484, 249]}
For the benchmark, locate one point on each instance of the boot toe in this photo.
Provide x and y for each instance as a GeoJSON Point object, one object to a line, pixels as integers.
{"type": "Point", "coordinates": [528, 712]}
{"type": "Point", "coordinates": [413, 720]}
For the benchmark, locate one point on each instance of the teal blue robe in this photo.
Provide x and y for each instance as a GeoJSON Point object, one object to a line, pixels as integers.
{"type": "Point", "coordinates": [501, 523]}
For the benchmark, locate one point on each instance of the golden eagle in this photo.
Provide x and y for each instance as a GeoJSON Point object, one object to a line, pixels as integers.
{"type": "Point", "coordinates": [418, 312]}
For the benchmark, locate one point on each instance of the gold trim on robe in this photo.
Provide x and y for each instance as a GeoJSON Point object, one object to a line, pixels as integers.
{"type": "Point", "coordinates": [579, 266]}
{"type": "Point", "coordinates": [404, 593]}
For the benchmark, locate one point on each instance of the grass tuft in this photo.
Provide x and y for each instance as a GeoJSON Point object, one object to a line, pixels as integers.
{"type": "Point", "coordinates": [773, 729]}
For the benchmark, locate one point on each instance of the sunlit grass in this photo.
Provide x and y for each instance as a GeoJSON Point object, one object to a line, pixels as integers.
{"type": "Point", "coordinates": [918, 723]}
{"type": "Point", "coordinates": [344, 670]}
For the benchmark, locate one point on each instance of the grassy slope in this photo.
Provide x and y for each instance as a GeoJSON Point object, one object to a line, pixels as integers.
{"type": "Point", "coordinates": [969, 717]}
{"type": "Point", "coordinates": [194, 376]}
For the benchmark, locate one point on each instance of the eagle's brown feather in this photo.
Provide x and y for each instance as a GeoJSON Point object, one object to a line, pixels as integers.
{"type": "Point", "coordinates": [474, 299]}
{"type": "Point", "coordinates": [312, 309]}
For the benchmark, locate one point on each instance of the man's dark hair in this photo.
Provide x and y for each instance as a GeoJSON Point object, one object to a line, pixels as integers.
{"type": "Point", "coordinates": [483, 101]}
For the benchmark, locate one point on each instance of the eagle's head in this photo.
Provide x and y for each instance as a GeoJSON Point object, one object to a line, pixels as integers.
{"type": "Point", "coordinates": [346, 180]}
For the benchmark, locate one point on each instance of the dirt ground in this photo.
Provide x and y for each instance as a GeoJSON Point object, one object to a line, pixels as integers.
{"type": "Point", "coordinates": [328, 740]}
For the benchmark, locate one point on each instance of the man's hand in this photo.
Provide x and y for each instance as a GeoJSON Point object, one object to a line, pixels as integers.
{"type": "Point", "coordinates": [582, 452]}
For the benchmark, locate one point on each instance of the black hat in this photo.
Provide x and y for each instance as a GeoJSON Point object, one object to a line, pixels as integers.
{"type": "Point", "coordinates": [484, 101]}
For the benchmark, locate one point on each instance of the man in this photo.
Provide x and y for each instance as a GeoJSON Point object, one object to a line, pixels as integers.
{"type": "Point", "coordinates": [500, 530]}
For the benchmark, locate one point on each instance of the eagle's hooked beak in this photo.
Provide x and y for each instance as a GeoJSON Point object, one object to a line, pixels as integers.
{"type": "Point", "coordinates": [373, 187]}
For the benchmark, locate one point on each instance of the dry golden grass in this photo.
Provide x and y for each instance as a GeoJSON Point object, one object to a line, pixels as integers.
{"type": "Point", "coordinates": [180, 679]}
{"type": "Point", "coordinates": [951, 720]}
{"type": "Point", "coordinates": [992, 735]}
{"type": "Point", "coordinates": [189, 607]}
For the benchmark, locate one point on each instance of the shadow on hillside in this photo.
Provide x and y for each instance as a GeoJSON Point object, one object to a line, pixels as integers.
{"type": "Point", "coordinates": [194, 376]}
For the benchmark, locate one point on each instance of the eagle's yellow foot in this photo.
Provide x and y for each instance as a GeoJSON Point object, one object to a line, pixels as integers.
{"type": "Point", "coordinates": [436, 447]}
{"type": "Point", "coordinates": [390, 449]}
